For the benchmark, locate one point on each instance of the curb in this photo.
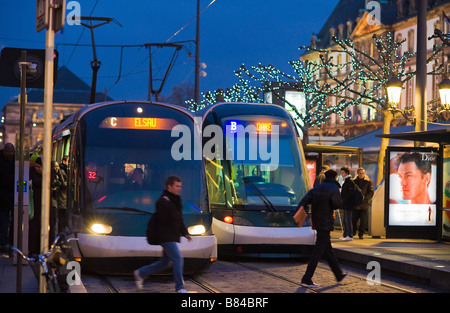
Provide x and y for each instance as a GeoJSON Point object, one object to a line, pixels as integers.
{"type": "Point", "coordinates": [408, 267]}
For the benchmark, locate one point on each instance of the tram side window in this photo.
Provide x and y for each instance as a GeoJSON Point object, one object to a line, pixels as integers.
{"type": "Point", "coordinates": [55, 148]}
{"type": "Point", "coordinates": [66, 146]}
{"type": "Point", "coordinates": [214, 177]}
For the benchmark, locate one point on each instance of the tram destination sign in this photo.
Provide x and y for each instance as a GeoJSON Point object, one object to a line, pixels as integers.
{"type": "Point", "coordinates": [138, 123]}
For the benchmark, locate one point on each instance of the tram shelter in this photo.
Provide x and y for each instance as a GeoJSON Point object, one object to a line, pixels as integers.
{"type": "Point", "coordinates": [334, 156]}
{"type": "Point", "coordinates": [441, 229]}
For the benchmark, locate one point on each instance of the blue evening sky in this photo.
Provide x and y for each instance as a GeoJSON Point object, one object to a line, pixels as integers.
{"type": "Point", "coordinates": [232, 32]}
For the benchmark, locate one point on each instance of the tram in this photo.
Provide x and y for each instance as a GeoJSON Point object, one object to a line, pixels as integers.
{"type": "Point", "coordinates": [120, 154]}
{"type": "Point", "coordinates": [255, 180]}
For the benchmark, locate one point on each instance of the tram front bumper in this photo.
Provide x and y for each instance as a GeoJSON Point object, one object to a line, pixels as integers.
{"type": "Point", "coordinates": [100, 246]}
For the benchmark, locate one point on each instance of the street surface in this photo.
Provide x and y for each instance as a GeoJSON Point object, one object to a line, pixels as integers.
{"type": "Point", "coordinates": [259, 276]}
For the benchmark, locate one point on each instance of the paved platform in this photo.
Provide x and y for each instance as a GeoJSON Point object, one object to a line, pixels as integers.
{"type": "Point", "coordinates": [422, 260]}
{"type": "Point", "coordinates": [8, 275]}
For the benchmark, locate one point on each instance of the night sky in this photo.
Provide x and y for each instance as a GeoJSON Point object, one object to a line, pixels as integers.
{"type": "Point", "coordinates": [232, 32]}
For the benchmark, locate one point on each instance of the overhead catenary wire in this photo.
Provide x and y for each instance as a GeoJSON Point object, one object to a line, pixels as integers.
{"type": "Point", "coordinates": [81, 35]}
{"type": "Point", "coordinates": [189, 22]}
{"type": "Point", "coordinates": [122, 46]}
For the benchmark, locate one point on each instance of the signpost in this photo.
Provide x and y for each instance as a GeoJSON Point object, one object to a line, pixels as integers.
{"type": "Point", "coordinates": [41, 14]}
{"type": "Point", "coordinates": [46, 13]}
{"type": "Point", "coordinates": [10, 69]}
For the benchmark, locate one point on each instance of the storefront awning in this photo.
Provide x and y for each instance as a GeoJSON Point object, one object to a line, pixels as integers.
{"type": "Point", "coordinates": [331, 149]}
{"type": "Point", "coordinates": [441, 136]}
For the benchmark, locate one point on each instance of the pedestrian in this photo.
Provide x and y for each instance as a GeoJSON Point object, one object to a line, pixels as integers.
{"type": "Point", "coordinates": [347, 193]}
{"type": "Point", "coordinates": [170, 226]}
{"type": "Point", "coordinates": [321, 177]}
{"type": "Point", "coordinates": [34, 231]}
{"type": "Point", "coordinates": [53, 203]}
{"type": "Point", "coordinates": [59, 195]}
{"type": "Point", "coordinates": [137, 180]}
{"type": "Point", "coordinates": [324, 199]}
{"type": "Point", "coordinates": [7, 168]}
{"type": "Point", "coordinates": [360, 212]}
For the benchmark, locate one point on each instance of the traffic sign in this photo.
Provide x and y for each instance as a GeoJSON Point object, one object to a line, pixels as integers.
{"type": "Point", "coordinates": [42, 9]}
{"type": "Point", "coordinates": [10, 69]}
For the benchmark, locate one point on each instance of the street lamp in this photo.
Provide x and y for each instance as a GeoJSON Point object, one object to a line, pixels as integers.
{"type": "Point", "coordinates": [394, 90]}
{"type": "Point", "coordinates": [444, 92]}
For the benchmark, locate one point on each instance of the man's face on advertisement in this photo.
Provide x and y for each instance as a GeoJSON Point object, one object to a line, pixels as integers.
{"type": "Point", "coordinates": [414, 183]}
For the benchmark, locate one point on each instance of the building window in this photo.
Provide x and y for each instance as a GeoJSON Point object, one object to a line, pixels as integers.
{"type": "Point", "coordinates": [339, 63]}
{"type": "Point", "coordinates": [437, 25]}
{"type": "Point", "coordinates": [409, 92]}
{"type": "Point", "coordinates": [341, 31]}
{"type": "Point", "coordinates": [436, 80]}
{"type": "Point", "coordinates": [332, 34]}
{"type": "Point", "coordinates": [349, 28]}
{"type": "Point", "coordinates": [411, 41]}
{"type": "Point", "coordinates": [399, 39]}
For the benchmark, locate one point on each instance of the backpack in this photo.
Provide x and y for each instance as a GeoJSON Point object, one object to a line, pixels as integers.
{"type": "Point", "coordinates": [150, 232]}
{"type": "Point", "coordinates": [357, 197]}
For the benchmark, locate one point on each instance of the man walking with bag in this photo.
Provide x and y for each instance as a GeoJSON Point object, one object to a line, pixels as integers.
{"type": "Point", "coordinates": [324, 199]}
{"type": "Point", "coordinates": [170, 226]}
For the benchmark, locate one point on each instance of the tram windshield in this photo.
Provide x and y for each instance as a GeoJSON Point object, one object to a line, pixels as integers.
{"type": "Point", "coordinates": [127, 159]}
{"type": "Point", "coordinates": [265, 163]}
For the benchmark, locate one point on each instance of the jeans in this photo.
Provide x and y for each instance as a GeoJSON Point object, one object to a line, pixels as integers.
{"type": "Point", "coordinates": [348, 223]}
{"type": "Point", "coordinates": [322, 248]}
{"type": "Point", "coordinates": [362, 216]}
{"type": "Point", "coordinates": [170, 253]}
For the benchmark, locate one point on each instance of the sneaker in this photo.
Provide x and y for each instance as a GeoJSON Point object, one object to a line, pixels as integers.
{"type": "Point", "coordinates": [138, 280]}
{"type": "Point", "coordinates": [182, 291]}
{"type": "Point", "coordinates": [348, 238]}
{"type": "Point", "coordinates": [309, 285]}
{"type": "Point", "coordinates": [344, 276]}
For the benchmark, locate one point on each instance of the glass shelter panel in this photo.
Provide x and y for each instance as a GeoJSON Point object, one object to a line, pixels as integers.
{"type": "Point", "coordinates": [337, 160]}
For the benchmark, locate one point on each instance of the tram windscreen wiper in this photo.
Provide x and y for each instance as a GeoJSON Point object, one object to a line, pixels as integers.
{"type": "Point", "coordinates": [266, 201]}
{"type": "Point", "coordinates": [125, 209]}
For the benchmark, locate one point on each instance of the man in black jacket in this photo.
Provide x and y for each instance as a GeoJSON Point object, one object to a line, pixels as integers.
{"type": "Point", "coordinates": [360, 212]}
{"type": "Point", "coordinates": [169, 227]}
{"type": "Point", "coordinates": [324, 199]}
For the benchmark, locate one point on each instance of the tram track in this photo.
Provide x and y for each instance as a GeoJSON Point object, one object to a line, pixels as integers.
{"type": "Point", "coordinates": [109, 285]}
{"type": "Point", "coordinates": [199, 282]}
{"type": "Point", "coordinates": [267, 273]}
{"type": "Point", "coordinates": [323, 267]}
{"type": "Point", "coordinates": [211, 283]}
{"type": "Point", "coordinates": [364, 278]}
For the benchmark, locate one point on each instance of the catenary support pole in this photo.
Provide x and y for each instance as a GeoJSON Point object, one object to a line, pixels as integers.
{"type": "Point", "coordinates": [421, 70]}
{"type": "Point", "coordinates": [47, 153]}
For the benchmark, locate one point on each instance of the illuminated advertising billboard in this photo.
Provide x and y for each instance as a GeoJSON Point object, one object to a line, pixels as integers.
{"type": "Point", "coordinates": [411, 187]}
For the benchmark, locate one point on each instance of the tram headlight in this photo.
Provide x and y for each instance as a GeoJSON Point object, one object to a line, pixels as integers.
{"type": "Point", "coordinates": [196, 230]}
{"type": "Point", "coordinates": [101, 229]}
